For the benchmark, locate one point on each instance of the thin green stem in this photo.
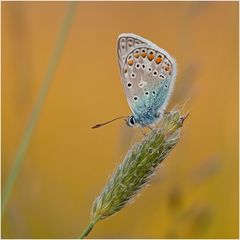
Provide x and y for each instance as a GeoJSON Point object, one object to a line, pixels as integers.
{"type": "Point", "coordinates": [89, 228]}
{"type": "Point", "coordinates": [52, 66]}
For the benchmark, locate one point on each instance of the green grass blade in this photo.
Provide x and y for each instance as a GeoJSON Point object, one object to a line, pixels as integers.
{"type": "Point", "coordinates": [137, 168]}
{"type": "Point", "coordinates": [53, 63]}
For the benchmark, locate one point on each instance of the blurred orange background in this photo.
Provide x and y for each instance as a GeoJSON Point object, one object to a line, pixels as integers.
{"type": "Point", "coordinates": [195, 191]}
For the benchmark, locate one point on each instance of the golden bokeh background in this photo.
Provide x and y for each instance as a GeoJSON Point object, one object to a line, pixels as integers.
{"type": "Point", "coordinates": [195, 191]}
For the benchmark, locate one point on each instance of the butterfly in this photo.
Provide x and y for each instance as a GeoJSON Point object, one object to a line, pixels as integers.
{"type": "Point", "coordinates": [148, 74]}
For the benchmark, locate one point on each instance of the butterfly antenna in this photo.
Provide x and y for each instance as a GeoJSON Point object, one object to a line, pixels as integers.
{"type": "Point", "coordinates": [102, 124]}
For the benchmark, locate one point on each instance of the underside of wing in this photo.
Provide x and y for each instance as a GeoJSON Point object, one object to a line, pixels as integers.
{"type": "Point", "coordinates": [125, 44]}
{"type": "Point", "coordinates": [148, 74]}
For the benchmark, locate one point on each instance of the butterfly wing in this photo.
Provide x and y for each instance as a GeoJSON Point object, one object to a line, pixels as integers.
{"type": "Point", "coordinates": [126, 43]}
{"type": "Point", "coordinates": [148, 73]}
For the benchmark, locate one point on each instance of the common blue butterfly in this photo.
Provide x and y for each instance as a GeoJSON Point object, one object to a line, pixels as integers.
{"type": "Point", "coordinates": [148, 73]}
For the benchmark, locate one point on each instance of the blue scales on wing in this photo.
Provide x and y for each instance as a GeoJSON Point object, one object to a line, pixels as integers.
{"type": "Point", "coordinates": [148, 74]}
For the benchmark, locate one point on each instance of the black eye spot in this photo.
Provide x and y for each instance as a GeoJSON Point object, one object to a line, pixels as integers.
{"type": "Point", "coordinates": [133, 75]}
{"type": "Point", "coordinates": [143, 50]}
{"type": "Point", "coordinates": [149, 69]}
{"type": "Point", "coordinates": [165, 85]}
{"type": "Point", "coordinates": [143, 66]}
{"type": "Point", "coordinates": [135, 98]}
{"type": "Point", "coordinates": [153, 92]}
{"type": "Point", "coordinates": [146, 93]}
{"type": "Point", "coordinates": [129, 84]}
{"type": "Point", "coordinates": [161, 76]}
{"type": "Point", "coordinates": [137, 65]}
{"type": "Point", "coordinates": [155, 73]}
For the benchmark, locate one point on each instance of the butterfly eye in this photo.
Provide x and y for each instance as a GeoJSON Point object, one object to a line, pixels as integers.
{"type": "Point", "coordinates": [131, 121]}
{"type": "Point", "coordinates": [155, 73]}
{"type": "Point", "coordinates": [135, 98]}
{"type": "Point", "coordinates": [133, 75]}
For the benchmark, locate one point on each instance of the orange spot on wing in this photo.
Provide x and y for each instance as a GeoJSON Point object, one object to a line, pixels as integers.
{"type": "Point", "coordinates": [130, 62]}
{"type": "Point", "coordinates": [136, 55]}
{"type": "Point", "coordinates": [151, 56]}
{"type": "Point", "coordinates": [166, 69]}
{"type": "Point", "coordinates": [143, 54]}
{"type": "Point", "coordinates": [158, 59]}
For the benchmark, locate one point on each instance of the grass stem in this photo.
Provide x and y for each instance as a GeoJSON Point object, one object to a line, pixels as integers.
{"type": "Point", "coordinates": [137, 168]}
{"type": "Point", "coordinates": [52, 66]}
{"type": "Point", "coordinates": [88, 229]}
